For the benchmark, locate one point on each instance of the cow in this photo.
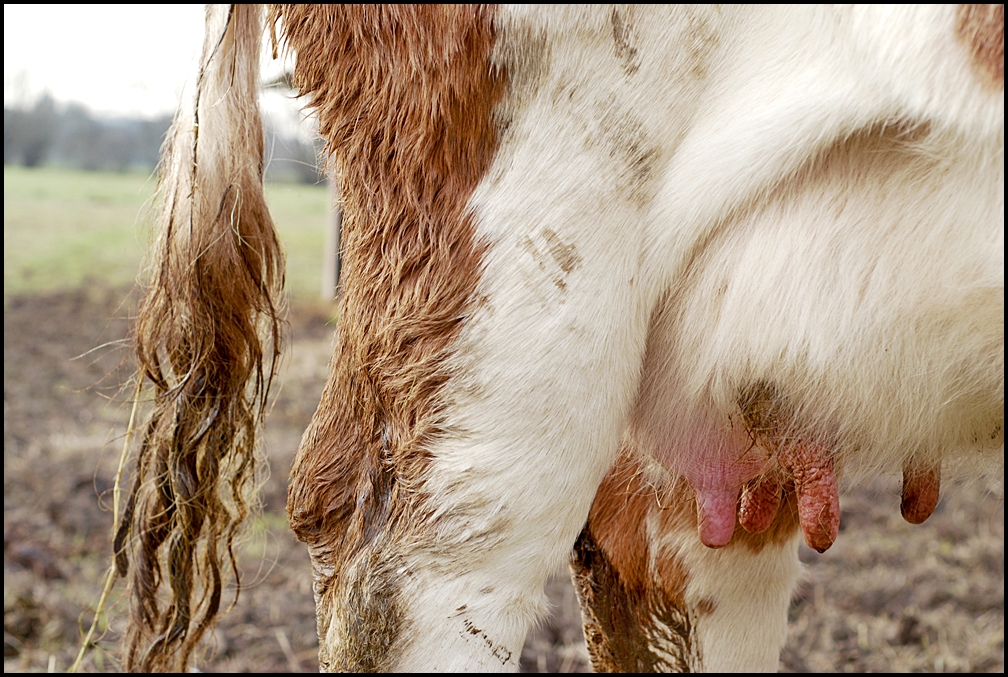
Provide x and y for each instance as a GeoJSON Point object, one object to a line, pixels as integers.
{"type": "Point", "coordinates": [628, 288]}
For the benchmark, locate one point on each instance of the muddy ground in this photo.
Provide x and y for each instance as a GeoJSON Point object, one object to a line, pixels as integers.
{"type": "Point", "coordinates": [887, 596]}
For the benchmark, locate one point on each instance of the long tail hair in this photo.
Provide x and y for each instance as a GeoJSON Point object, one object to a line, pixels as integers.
{"type": "Point", "coordinates": [208, 338]}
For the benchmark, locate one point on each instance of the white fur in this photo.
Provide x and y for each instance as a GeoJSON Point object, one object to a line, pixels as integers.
{"type": "Point", "coordinates": [882, 319]}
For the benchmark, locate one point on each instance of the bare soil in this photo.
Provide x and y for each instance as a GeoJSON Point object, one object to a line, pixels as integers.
{"type": "Point", "coordinates": [886, 597]}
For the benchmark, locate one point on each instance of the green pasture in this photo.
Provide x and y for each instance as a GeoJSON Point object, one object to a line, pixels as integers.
{"type": "Point", "coordinates": [65, 229]}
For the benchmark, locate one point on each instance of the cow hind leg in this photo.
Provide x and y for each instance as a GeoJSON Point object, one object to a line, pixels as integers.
{"type": "Point", "coordinates": [654, 598]}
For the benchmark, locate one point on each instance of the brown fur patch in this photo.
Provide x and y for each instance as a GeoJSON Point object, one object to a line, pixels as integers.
{"type": "Point", "coordinates": [981, 29]}
{"type": "Point", "coordinates": [617, 520]}
{"type": "Point", "coordinates": [624, 601]}
{"type": "Point", "coordinates": [405, 98]}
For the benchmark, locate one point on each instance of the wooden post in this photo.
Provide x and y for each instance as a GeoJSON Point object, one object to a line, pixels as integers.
{"type": "Point", "coordinates": [331, 247]}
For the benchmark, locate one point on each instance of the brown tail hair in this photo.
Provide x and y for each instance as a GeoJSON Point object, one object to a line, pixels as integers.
{"type": "Point", "coordinates": [208, 338]}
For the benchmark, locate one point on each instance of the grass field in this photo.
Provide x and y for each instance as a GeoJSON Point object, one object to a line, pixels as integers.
{"type": "Point", "coordinates": [64, 229]}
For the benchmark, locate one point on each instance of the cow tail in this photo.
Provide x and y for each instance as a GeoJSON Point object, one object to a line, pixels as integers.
{"type": "Point", "coordinates": [208, 339]}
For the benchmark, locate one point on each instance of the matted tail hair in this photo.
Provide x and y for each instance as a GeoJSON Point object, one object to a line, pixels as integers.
{"type": "Point", "coordinates": [208, 336]}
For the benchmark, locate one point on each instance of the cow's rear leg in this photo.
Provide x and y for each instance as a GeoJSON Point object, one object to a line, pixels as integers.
{"type": "Point", "coordinates": [654, 598]}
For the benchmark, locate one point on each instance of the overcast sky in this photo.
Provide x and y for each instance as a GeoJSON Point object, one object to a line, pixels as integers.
{"type": "Point", "coordinates": [116, 59]}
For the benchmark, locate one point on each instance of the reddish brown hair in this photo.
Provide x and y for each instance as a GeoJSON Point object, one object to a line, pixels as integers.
{"type": "Point", "coordinates": [405, 98]}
